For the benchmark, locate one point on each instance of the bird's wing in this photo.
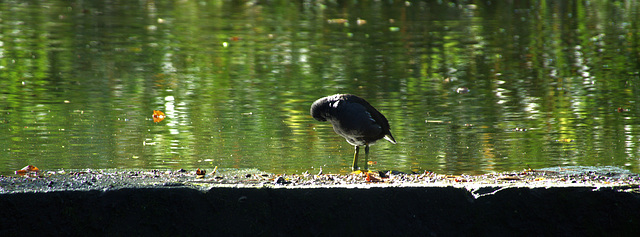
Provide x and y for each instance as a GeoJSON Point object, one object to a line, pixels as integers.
{"type": "Point", "coordinates": [355, 119]}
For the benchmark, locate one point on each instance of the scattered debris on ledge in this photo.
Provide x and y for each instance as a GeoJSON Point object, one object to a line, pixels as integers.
{"type": "Point", "coordinates": [68, 180]}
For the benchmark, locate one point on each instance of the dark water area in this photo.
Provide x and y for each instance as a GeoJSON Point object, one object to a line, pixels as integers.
{"type": "Point", "coordinates": [549, 84]}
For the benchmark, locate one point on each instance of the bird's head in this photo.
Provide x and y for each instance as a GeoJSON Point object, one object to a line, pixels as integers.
{"type": "Point", "coordinates": [320, 109]}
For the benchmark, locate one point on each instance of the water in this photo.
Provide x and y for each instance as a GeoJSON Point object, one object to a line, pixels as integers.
{"type": "Point", "coordinates": [550, 84]}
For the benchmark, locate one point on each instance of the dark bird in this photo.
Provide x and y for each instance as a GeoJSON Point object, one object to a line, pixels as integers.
{"type": "Point", "coordinates": [354, 119]}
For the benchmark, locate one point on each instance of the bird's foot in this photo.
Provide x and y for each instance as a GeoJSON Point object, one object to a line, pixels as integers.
{"type": "Point", "coordinates": [361, 171]}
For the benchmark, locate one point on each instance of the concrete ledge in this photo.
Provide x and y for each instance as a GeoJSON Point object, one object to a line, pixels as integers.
{"type": "Point", "coordinates": [376, 211]}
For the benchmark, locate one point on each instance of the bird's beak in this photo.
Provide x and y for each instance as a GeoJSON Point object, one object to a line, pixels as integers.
{"type": "Point", "coordinates": [390, 138]}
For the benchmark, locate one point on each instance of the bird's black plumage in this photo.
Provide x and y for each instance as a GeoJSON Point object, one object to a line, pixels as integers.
{"type": "Point", "coordinates": [354, 119]}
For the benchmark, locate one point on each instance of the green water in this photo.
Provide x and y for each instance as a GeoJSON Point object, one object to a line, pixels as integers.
{"type": "Point", "coordinates": [551, 83]}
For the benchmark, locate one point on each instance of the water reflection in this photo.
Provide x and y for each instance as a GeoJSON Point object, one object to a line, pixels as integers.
{"type": "Point", "coordinates": [551, 83]}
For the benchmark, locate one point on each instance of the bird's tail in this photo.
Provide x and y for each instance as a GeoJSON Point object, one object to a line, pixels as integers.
{"type": "Point", "coordinates": [390, 138]}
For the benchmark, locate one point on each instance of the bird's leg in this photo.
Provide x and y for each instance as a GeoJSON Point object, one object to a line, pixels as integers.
{"type": "Point", "coordinates": [355, 158]}
{"type": "Point", "coordinates": [366, 157]}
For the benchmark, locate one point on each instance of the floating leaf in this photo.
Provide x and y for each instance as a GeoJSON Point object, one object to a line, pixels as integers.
{"type": "Point", "coordinates": [158, 116]}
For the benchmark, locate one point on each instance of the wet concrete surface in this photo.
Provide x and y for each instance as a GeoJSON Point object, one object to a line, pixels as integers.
{"type": "Point", "coordinates": [575, 201]}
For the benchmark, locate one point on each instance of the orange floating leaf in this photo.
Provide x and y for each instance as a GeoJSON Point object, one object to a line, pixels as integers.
{"type": "Point", "coordinates": [158, 116]}
{"type": "Point", "coordinates": [27, 169]}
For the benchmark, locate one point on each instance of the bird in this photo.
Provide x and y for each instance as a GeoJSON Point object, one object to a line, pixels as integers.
{"type": "Point", "coordinates": [354, 119]}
